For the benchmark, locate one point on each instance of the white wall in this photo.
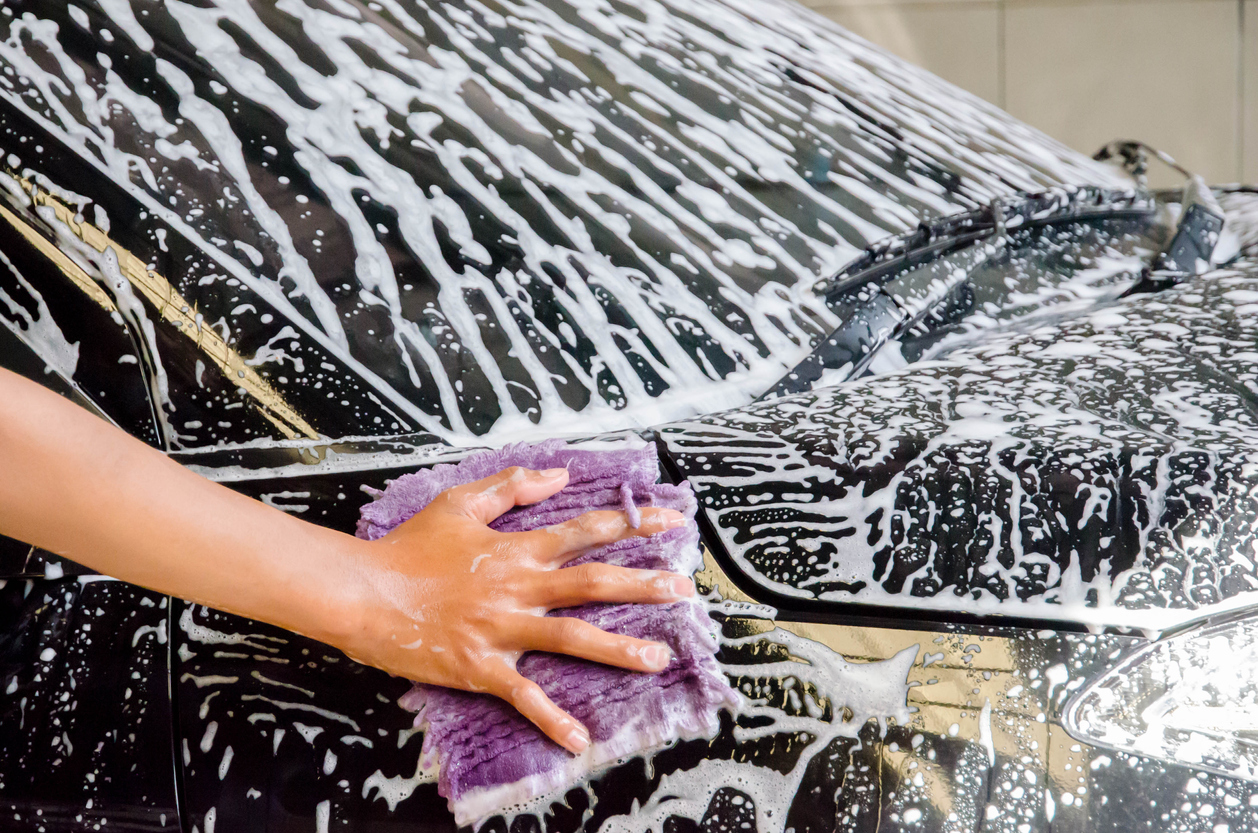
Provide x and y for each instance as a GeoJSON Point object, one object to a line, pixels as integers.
{"type": "Point", "coordinates": [1181, 75]}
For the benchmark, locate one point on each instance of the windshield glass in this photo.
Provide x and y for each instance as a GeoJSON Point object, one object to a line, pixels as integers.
{"type": "Point", "coordinates": [500, 215]}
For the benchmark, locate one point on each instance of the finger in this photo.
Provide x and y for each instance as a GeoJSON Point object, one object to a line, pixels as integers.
{"type": "Point", "coordinates": [487, 498]}
{"type": "Point", "coordinates": [566, 635]}
{"type": "Point", "coordinates": [603, 527]}
{"type": "Point", "coordinates": [529, 700]}
{"type": "Point", "coordinates": [586, 583]}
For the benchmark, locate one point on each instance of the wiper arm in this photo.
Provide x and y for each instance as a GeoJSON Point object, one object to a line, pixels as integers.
{"type": "Point", "coordinates": [1192, 246]}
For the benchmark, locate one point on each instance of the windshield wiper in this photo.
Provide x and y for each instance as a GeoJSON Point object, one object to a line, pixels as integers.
{"type": "Point", "coordinates": [936, 293]}
{"type": "Point", "coordinates": [918, 284]}
{"type": "Point", "coordinates": [1192, 246]}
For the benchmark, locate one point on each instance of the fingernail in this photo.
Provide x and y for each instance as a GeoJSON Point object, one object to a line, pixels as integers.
{"type": "Point", "coordinates": [683, 587]}
{"type": "Point", "coordinates": [578, 740]}
{"type": "Point", "coordinates": [656, 657]}
{"type": "Point", "coordinates": [553, 474]}
{"type": "Point", "coordinates": [675, 521]}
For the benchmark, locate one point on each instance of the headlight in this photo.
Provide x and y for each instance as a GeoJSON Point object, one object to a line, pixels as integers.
{"type": "Point", "coordinates": [1190, 698]}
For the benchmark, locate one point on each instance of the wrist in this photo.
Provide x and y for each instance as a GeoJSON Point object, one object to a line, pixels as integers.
{"type": "Point", "coordinates": [321, 586]}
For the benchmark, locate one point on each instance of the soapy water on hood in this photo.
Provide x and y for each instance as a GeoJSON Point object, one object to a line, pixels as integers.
{"type": "Point", "coordinates": [1099, 471]}
{"type": "Point", "coordinates": [834, 699]}
{"type": "Point", "coordinates": [855, 693]}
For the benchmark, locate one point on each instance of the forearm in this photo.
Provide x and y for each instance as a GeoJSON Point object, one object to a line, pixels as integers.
{"type": "Point", "coordinates": [76, 486]}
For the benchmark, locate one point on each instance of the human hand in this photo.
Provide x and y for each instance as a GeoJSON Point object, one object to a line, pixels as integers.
{"type": "Point", "coordinates": [444, 599]}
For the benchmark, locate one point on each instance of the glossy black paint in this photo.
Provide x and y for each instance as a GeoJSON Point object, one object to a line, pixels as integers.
{"type": "Point", "coordinates": [86, 721]}
{"type": "Point", "coordinates": [271, 725]}
{"type": "Point", "coordinates": [237, 683]}
{"type": "Point", "coordinates": [597, 207]}
{"type": "Point", "coordinates": [117, 373]}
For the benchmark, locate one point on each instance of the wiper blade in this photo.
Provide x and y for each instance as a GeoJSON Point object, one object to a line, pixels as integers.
{"type": "Point", "coordinates": [910, 285]}
{"type": "Point", "coordinates": [936, 293]}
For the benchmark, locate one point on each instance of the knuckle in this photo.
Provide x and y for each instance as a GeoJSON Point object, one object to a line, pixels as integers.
{"type": "Point", "coordinates": [568, 629]}
{"type": "Point", "coordinates": [591, 578]}
{"type": "Point", "coordinates": [496, 682]}
{"type": "Point", "coordinates": [477, 612]}
{"type": "Point", "coordinates": [537, 541]}
{"type": "Point", "coordinates": [602, 525]}
{"type": "Point", "coordinates": [465, 500]}
{"type": "Point", "coordinates": [468, 656]}
{"type": "Point", "coordinates": [529, 696]}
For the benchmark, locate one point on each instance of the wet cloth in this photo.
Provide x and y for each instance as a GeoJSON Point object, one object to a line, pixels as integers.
{"type": "Point", "coordinates": [489, 758]}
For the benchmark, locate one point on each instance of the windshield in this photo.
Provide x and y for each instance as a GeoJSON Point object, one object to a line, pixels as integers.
{"type": "Point", "coordinates": [508, 219]}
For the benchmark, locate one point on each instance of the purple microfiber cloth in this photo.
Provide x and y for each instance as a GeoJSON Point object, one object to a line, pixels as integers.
{"type": "Point", "coordinates": [489, 757]}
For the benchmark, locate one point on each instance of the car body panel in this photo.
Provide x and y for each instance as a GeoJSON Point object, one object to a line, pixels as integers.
{"type": "Point", "coordinates": [85, 720]}
{"type": "Point", "coordinates": [1097, 471]}
{"type": "Point", "coordinates": [978, 741]}
{"type": "Point", "coordinates": [122, 298]}
{"type": "Point", "coordinates": [274, 727]}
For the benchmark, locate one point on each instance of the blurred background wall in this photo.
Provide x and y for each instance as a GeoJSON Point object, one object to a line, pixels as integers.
{"type": "Point", "coordinates": [1181, 75]}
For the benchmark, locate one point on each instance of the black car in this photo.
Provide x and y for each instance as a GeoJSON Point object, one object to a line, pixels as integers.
{"type": "Point", "coordinates": [972, 418]}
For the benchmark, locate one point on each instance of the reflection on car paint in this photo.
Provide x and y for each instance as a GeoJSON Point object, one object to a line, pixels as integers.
{"type": "Point", "coordinates": [200, 395]}
{"type": "Point", "coordinates": [976, 743]}
{"type": "Point", "coordinates": [85, 714]}
{"type": "Point", "coordinates": [462, 223]}
{"type": "Point", "coordinates": [159, 293]}
{"type": "Point", "coordinates": [965, 730]}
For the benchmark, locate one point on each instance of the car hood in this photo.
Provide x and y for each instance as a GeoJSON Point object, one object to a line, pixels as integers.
{"type": "Point", "coordinates": [1098, 471]}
